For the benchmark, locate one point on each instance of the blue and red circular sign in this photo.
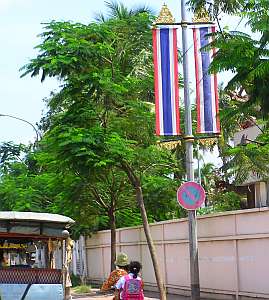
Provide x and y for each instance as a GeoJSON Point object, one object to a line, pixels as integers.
{"type": "Point", "coordinates": [190, 195]}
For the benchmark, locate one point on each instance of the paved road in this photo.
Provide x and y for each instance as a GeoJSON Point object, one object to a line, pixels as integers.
{"type": "Point", "coordinates": [148, 296]}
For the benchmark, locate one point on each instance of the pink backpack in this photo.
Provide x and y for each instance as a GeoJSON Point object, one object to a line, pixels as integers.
{"type": "Point", "coordinates": [132, 289]}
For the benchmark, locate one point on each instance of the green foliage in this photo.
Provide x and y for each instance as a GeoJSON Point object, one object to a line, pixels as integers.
{"type": "Point", "coordinates": [10, 153]}
{"type": "Point", "coordinates": [248, 160]}
{"type": "Point", "coordinates": [246, 96]}
{"type": "Point", "coordinates": [100, 120]}
{"type": "Point", "coordinates": [226, 201]}
{"type": "Point", "coordinates": [82, 289]}
{"type": "Point", "coordinates": [220, 202]}
{"type": "Point", "coordinates": [226, 6]}
{"type": "Point", "coordinates": [160, 198]}
{"type": "Point", "coordinates": [255, 10]}
{"type": "Point", "coordinates": [245, 56]}
{"type": "Point", "coordinates": [248, 58]}
{"type": "Point", "coordinates": [75, 279]}
{"type": "Point", "coordinates": [101, 123]}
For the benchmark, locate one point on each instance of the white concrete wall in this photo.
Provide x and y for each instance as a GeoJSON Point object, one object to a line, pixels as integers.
{"type": "Point", "coordinates": [233, 254]}
{"type": "Point", "coordinates": [260, 194]}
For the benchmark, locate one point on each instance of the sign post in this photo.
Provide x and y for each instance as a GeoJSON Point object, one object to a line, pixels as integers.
{"type": "Point", "coordinates": [190, 195]}
{"type": "Point", "coordinates": [193, 242]}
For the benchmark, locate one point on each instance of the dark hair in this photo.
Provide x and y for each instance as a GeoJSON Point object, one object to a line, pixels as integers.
{"type": "Point", "coordinates": [135, 267]}
{"type": "Point", "coordinates": [126, 268]}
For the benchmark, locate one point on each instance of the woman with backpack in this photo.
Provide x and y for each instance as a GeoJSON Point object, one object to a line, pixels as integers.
{"type": "Point", "coordinates": [122, 263]}
{"type": "Point", "coordinates": [130, 287]}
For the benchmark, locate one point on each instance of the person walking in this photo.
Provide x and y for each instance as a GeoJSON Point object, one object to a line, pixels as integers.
{"type": "Point", "coordinates": [130, 287]}
{"type": "Point", "coordinates": [122, 268]}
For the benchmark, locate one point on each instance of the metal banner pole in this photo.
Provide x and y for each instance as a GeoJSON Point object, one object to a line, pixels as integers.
{"type": "Point", "coordinates": [193, 243]}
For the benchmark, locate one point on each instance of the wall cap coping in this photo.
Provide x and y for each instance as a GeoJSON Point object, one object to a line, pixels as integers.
{"type": "Point", "coordinates": [220, 214]}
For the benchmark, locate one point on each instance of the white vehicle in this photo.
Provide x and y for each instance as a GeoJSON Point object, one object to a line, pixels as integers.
{"type": "Point", "coordinates": [34, 256]}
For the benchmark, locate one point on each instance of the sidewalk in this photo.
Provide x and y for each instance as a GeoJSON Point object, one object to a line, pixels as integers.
{"type": "Point", "coordinates": [148, 296]}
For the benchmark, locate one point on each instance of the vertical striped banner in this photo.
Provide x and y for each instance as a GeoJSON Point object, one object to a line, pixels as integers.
{"type": "Point", "coordinates": [166, 81]}
{"type": "Point", "coordinates": [207, 102]}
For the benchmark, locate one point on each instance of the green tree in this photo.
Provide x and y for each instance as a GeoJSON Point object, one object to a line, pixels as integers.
{"type": "Point", "coordinates": [99, 188]}
{"type": "Point", "coordinates": [101, 122]}
{"type": "Point", "coordinates": [19, 188]}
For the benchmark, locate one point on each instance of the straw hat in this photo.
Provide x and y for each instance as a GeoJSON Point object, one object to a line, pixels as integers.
{"type": "Point", "coordinates": [122, 259]}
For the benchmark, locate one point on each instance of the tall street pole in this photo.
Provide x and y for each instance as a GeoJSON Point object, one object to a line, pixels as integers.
{"type": "Point", "coordinates": [193, 243]}
{"type": "Point", "coordinates": [25, 121]}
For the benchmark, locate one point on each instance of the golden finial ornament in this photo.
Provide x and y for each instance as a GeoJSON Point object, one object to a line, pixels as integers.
{"type": "Point", "coordinates": [169, 145]}
{"type": "Point", "coordinates": [208, 142]}
{"type": "Point", "coordinates": [165, 16]}
{"type": "Point", "coordinates": [201, 15]}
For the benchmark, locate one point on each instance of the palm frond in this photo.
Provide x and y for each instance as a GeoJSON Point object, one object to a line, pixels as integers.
{"type": "Point", "coordinates": [247, 161]}
{"type": "Point", "coordinates": [100, 18]}
{"type": "Point", "coordinates": [144, 9]}
{"type": "Point", "coordinates": [117, 10]}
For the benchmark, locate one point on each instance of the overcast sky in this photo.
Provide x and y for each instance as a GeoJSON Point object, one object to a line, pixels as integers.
{"type": "Point", "coordinates": [20, 23]}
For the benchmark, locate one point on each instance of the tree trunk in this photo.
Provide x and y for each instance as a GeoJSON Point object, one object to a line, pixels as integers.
{"type": "Point", "coordinates": [224, 158]}
{"type": "Point", "coordinates": [112, 221]}
{"type": "Point", "coordinates": [135, 181]}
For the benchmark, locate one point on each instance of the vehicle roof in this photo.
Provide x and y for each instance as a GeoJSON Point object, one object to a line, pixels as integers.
{"type": "Point", "coordinates": [33, 216]}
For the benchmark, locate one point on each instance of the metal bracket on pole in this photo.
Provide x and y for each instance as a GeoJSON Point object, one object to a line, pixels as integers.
{"type": "Point", "coordinates": [188, 138]}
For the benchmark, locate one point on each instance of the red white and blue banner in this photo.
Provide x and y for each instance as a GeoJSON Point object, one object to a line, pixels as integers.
{"type": "Point", "coordinates": [166, 81]}
{"type": "Point", "coordinates": [206, 84]}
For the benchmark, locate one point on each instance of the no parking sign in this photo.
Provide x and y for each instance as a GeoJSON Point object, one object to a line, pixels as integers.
{"type": "Point", "coordinates": [190, 195]}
